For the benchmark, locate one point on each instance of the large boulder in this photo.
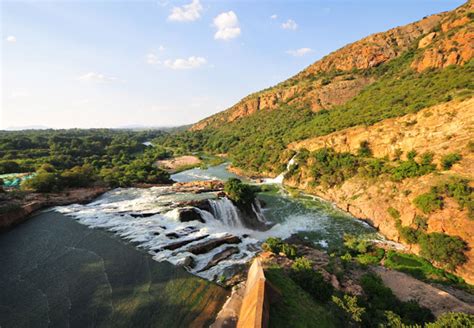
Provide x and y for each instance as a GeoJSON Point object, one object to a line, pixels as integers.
{"type": "Point", "coordinates": [190, 214]}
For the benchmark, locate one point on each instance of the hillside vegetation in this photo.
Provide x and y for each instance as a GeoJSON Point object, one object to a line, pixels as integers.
{"type": "Point", "coordinates": [382, 127]}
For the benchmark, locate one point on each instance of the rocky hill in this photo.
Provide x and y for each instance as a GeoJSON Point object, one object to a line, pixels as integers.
{"type": "Point", "coordinates": [383, 127]}
{"type": "Point", "coordinates": [440, 40]}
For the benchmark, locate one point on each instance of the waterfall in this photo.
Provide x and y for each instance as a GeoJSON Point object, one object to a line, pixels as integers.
{"type": "Point", "coordinates": [257, 209]}
{"type": "Point", "coordinates": [225, 211]}
{"type": "Point", "coordinates": [281, 176]}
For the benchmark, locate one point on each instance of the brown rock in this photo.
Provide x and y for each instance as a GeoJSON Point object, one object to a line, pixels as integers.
{"type": "Point", "coordinates": [209, 245]}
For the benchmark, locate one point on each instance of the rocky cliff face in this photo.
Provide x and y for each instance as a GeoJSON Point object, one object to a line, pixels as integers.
{"type": "Point", "coordinates": [441, 129]}
{"type": "Point", "coordinates": [439, 40]}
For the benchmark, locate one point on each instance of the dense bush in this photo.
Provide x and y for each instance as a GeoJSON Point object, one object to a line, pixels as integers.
{"type": "Point", "coordinates": [460, 190]}
{"type": "Point", "coordinates": [276, 245]}
{"type": "Point", "coordinates": [239, 192]}
{"type": "Point", "coordinates": [429, 202]}
{"type": "Point", "coordinates": [330, 168]}
{"type": "Point", "coordinates": [453, 320]}
{"type": "Point", "coordinates": [43, 182]}
{"type": "Point", "coordinates": [447, 161]}
{"type": "Point", "coordinates": [410, 168]}
{"type": "Point", "coordinates": [79, 176]}
{"type": "Point", "coordinates": [349, 305]}
{"type": "Point", "coordinates": [444, 249]}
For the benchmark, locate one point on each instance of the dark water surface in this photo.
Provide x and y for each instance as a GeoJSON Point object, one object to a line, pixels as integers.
{"type": "Point", "coordinates": [55, 272]}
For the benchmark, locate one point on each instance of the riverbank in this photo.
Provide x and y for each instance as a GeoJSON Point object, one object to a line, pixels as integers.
{"type": "Point", "coordinates": [17, 206]}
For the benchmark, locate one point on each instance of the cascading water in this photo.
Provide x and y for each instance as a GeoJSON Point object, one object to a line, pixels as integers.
{"type": "Point", "coordinates": [225, 238]}
{"type": "Point", "coordinates": [225, 211]}
{"type": "Point", "coordinates": [279, 179]}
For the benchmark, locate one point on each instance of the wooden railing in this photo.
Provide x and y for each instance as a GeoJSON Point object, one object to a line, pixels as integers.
{"type": "Point", "coordinates": [255, 310]}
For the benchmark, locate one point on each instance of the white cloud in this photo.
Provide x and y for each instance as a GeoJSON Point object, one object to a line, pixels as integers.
{"type": "Point", "coordinates": [299, 52]}
{"type": "Point", "coordinates": [152, 59]}
{"type": "Point", "coordinates": [227, 25]}
{"type": "Point", "coordinates": [189, 63]}
{"type": "Point", "coordinates": [274, 16]}
{"type": "Point", "coordinates": [289, 25]}
{"type": "Point", "coordinates": [96, 77]}
{"type": "Point", "coordinates": [11, 39]}
{"type": "Point", "coordinates": [186, 13]}
{"type": "Point", "coordinates": [161, 48]}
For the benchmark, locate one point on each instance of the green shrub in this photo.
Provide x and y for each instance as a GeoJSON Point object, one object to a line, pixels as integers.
{"type": "Point", "coordinates": [410, 168]}
{"type": "Point", "coordinates": [239, 192]}
{"type": "Point", "coordinates": [373, 257]}
{"type": "Point", "coordinates": [276, 245]}
{"type": "Point", "coordinates": [447, 161]}
{"type": "Point", "coordinates": [78, 176]}
{"type": "Point", "coordinates": [444, 249]}
{"type": "Point", "coordinates": [409, 235]}
{"type": "Point", "coordinates": [311, 281]}
{"type": "Point", "coordinates": [349, 305]}
{"type": "Point", "coordinates": [356, 245]}
{"type": "Point", "coordinates": [460, 190]}
{"type": "Point", "coordinates": [421, 222]}
{"type": "Point", "coordinates": [429, 202]}
{"type": "Point", "coordinates": [453, 320]}
{"type": "Point", "coordinates": [43, 182]}
{"type": "Point", "coordinates": [364, 149]}
{"type": "Point", "coordinates": [394, 213]}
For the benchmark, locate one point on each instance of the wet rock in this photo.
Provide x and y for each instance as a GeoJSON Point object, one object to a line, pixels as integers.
{"type": "Point", "coordinates": [142, 215]}
{"type": "Point", "coordinates": [209, 245]}
{"type": "Point", "coordinates": [181, 232]}
{"type": "Point", "coordinates": [198, 186]}
{"type": "Point", "coordinates": [190, 214]}
{"type": "Point", "coordinates": [189, 262]}
{"type": "Point", "coordinates": [172, 235]}
{"type": "Point", "coordinates": [225, 254]}
{"type": "Point", "coordinates": [202, 204]}
{"type": "Point", "coordinates": [181, 243]}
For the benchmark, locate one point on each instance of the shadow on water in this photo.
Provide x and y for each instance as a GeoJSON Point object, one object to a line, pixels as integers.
{"type": "Point", "coordinates": [55, 272]}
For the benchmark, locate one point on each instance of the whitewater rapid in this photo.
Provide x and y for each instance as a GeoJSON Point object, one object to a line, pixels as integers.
{"type": "Point", "coordinates": [150, 219]}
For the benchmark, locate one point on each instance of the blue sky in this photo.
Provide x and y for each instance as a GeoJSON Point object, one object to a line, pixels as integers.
{"type": "Point", "coordinates": [164, 63]}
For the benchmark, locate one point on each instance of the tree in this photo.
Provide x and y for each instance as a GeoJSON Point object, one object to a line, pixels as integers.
{"type": "Point", "coordinates": [43, 182]}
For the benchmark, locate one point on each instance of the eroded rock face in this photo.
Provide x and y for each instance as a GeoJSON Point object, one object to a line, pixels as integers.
{"type": "Point", "coordinates": [441, 129]}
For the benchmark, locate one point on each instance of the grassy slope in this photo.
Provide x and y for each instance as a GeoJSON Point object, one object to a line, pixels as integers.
{"type": "Point", "coordinates": [296, 308]}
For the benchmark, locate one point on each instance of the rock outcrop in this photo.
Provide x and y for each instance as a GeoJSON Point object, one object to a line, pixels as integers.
{"type": "Point", "coordinates": [441, 129]}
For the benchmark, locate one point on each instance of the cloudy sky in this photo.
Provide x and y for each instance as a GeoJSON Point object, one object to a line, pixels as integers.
{"type": "Point", "coordinates": [166, 63]}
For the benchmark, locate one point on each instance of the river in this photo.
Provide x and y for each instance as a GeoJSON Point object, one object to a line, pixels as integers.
{"type": "Point", "coordinates": [126, 259]}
